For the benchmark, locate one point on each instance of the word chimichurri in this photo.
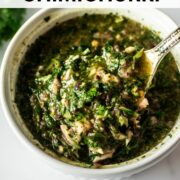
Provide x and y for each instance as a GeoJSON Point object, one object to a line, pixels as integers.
{"type": "Point", "coordinates": [81, 95]}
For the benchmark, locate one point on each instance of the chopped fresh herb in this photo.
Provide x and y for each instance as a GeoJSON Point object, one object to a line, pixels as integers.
{"type": "Point", "coordinates": [80, 94]}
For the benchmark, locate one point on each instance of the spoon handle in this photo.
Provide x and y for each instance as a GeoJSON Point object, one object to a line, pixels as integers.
{"type": "Point", "coordinates": [166, 45]}
{"type": "Point", "coordinates": [155, 55]}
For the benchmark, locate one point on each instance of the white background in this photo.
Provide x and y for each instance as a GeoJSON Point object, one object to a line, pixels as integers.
{"type": "Point", "coordinates": [17, 163]}
{"type": "Point", "coordinates": [87, 4]}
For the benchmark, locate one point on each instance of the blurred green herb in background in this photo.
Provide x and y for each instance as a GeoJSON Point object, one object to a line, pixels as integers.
{"type": "Point", "coordinates": [10, 21]}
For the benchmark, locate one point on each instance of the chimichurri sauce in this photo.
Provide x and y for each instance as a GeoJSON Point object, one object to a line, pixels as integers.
{"type": "Point", "coordinates": [80, 94]}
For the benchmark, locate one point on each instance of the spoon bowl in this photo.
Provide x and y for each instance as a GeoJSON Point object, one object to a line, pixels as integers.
{"type": "Point", "coordinates": [153, 57]}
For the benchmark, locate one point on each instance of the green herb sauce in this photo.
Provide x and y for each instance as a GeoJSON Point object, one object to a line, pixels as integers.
{"type": "Point", "coordinates": [80, 94]}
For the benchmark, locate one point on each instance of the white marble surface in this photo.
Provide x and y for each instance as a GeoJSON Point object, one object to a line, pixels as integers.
{"type": "Point", "coordinates": [16, 162]}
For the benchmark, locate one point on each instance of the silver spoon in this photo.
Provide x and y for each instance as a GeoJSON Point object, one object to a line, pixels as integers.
{"type": "Point", "coordinates": [153, 57]}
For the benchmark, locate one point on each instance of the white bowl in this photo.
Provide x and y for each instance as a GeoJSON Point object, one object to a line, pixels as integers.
{"type": "Point", "coordinates": [36, 26]}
